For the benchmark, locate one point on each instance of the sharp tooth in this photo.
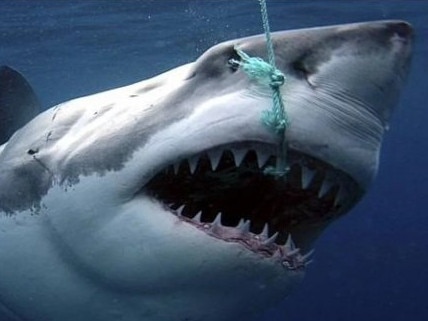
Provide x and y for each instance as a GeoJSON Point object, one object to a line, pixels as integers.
{"type": "Point", "coordinates": [215, 157]}
{"type": "Point", "coordinates": [217, 221]}
{"type": "Point", "coordinates": [240, 223]}
{"type": "Point", "coordinates": [262, 158]}
{"type": "Point", "coordinates": [239, 155]}
{"type": "Point", "coordinates": [325, 187]}
{"type": "Point", "coordinates": [244, 226]}
{"type": "Point", "coordinates": [305, 258]}
{"type": "Point", "coordinates": [193, 163]}
{"type": "Point", "coordinates": [179, 210]}
{"type": "Point", "coordinates": [289, 245]}
{"type": "Point", "coordinates": [307, 177]}
{"type": "Point", "coordinates": [265, 233]}
{"type": "Point", "coordinates": [277, 254]}
{"type": "Point", "coordinates": [340, 197]}
{"type": "Point", "coordinates": [197, 217]}
{"type": "Point", "coordinates": [292, 253]}
{"type": "Point", "coordinates": [271, 240]}
{"type": "Point", "coordinates": [309, 262]}
{"type": "Point", "coordinates": [176, 167]}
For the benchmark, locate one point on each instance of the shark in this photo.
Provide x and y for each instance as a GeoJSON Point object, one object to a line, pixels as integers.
{"type": "Point", "coordinates": [151, 201]}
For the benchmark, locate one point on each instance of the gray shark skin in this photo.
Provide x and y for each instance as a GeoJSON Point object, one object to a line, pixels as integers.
{"type": "Point", "coordinates": [150, 202]}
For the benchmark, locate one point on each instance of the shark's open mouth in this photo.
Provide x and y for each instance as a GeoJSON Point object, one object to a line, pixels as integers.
{"type": "Point", "coordinates": [226, 192]}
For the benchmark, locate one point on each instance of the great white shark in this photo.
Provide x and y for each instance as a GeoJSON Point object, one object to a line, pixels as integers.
{"type": "Point", "coordinates": [150, 202]}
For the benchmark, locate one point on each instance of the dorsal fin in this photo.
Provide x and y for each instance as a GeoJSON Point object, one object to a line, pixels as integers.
{"type": "Point", "coordinates": [18, 102]}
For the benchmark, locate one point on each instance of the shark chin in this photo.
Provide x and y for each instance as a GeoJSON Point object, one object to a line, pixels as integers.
{"type": "Point", "coordinates": [151, 201]}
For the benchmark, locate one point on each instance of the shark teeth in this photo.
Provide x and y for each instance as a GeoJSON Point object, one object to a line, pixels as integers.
{"type": "Point", "coordinates": [197, 218]}
{"type": "Point", "coordinates": [239, 155]}
{"type": "Point", "coordinates": [340, 197]}
{"type": "Point", "coordinates": [179, 210]}
{"type": "Point", "coordinates": [243, 226]}
{"type": "Point", "coordinates": [307, 177]}
{"type": "Point", "coordinates": [326, 186]}
{"type": "Point", "coordinates": [205, 190]}
{"type": "Point", "coordinates": [176, 167]}
{"type": "Point", "coordinates": [265, 232]}
{"type": "Point", "coordinates": [217, 220]}
{"type": "Point", "coordinates": [231, 166]}
{"type": "Point", "coordinates": [289, 244]}
{"type": "Point", "coordinates": [271, 240]}
{"type": "Point", "coordinates": [288, 255]}
{"type": "Point", "coordinates": [262, 158]}
{"type": "Point", "coordinates": [193, 163]}
{"type": "Point", "coordinates": [215, 156]}
{"type": "Point", "coordinates": [259, 157]}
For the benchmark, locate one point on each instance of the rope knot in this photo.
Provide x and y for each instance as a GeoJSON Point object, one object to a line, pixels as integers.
{"type": "Point", "coordinates": [259, 70]}
{"type": "Point", "coordinates": [264, 73]}
{"type": "Point", "coordinates": [277, 79]}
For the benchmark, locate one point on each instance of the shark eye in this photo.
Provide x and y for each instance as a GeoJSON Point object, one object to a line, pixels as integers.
{"type": "Point", "coordinates": [300, 68]}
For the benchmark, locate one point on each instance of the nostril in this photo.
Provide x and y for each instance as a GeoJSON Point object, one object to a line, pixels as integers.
{"type": "Point", "coordinates": [402, 29]}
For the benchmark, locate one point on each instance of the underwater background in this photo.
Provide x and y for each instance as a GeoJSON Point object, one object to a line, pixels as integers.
{"type": "Point", "coordinates": [370, 265]}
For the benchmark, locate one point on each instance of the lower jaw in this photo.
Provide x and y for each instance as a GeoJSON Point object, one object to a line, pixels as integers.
{"type": "Point", "coordinates": [288, 255]}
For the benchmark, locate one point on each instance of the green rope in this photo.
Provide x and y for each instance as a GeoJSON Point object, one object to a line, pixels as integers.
{"type": "Point", "coordinates": [267, 74]}
{"type": "Point", "coordinates": [265, 21]}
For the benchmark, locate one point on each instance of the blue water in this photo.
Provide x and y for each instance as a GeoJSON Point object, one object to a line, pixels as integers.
{"type": "Point", "coordinates": [370, 265]}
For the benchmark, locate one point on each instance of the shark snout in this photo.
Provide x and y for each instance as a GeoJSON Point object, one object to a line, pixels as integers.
{"type": "Point", "coordinates": [401, 28]}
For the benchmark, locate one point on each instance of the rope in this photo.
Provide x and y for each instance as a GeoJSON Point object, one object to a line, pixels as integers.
{"type": "Point", "coordinates": [266, 28]}
{"type": "Point", "coordinates": [267, 74]}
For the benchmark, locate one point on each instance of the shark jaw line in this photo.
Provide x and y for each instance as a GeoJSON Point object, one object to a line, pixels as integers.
{"type": "Point", "coordinates": [225, 192]}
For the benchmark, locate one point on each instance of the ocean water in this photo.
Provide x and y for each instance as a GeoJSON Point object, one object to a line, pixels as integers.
{"type": "Point", "coordinates": [371, 264]}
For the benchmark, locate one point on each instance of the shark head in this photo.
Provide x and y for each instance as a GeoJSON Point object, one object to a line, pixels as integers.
{"type": "Point", "coordinates": [150, 202]}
